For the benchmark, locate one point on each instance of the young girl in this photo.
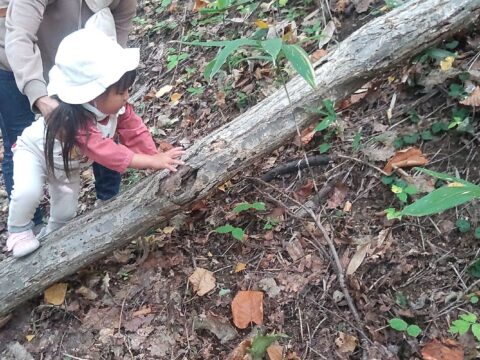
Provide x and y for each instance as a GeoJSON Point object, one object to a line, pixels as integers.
{"type": "Point", "coordinates": [91, 78]}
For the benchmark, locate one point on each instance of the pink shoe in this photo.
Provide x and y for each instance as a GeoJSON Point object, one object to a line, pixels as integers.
{"type": "Point", "coordinates": [22, 243]}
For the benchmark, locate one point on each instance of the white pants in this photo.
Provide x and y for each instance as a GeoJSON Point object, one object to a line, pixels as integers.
{"type": "Point", "coordinates": [29, 176]}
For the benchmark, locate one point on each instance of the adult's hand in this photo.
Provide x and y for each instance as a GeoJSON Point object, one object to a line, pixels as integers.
{"type": "Point", "coordinates": [46, 105]}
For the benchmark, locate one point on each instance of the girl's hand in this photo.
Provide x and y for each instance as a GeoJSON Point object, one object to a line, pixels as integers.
{"type": "Point", "coordinates": [162, 160]}
{"type": "Point", "coordinates": [167, 159]}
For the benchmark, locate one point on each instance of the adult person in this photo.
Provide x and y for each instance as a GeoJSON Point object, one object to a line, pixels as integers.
{"type": "Point", "coordinates": [30, 32]}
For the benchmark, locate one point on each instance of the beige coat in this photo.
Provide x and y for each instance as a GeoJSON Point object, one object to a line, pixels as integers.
{"type": "Point", "coordinates": [32, 31]}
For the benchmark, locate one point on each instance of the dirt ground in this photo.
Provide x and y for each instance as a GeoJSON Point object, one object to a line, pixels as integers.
{"type": "Point", "coordinates": [138, 302]}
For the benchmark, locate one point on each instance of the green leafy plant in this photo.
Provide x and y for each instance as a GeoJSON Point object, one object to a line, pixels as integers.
{"type": "Point", "coordinates": [401, 325]}
{"type": "Point", "coordinates": [163, 5]}
{"type": "Point", "coordinates": [455, 193]}
{"type": "Point", "coordinates": [260, 343]}
{"type": "Point", "coordinates": [457, 91]}
{"type": "Point", "coordinates": [466, 322]}
{"type": "Point", "coordinates": [328, 111]}
{"type": "Point", "coordinates": [402, 193]}
{"type": "Point", "coordinates": [174, 59]}
{"type": "Point", "coordinates": [474, 269]}
{"type": "Point", "coordinates": [237, 232]}
{"type": "Point", "coordinates": [477, 233]}
{"type": "Point", "coordinates": [270, 223]}
{"type": "Point", "coordinates": [473, 298]}
{"type": "Point", "coordinates": [260, 206]}
{"type": "Point", "coordinates": [463, 225]}
{"type": "Point", "coordinates": [196, 90]}
{"type": "Point", "coordinates": [273, 48]}
{"type": "Point", "coordinates": [435, 54]}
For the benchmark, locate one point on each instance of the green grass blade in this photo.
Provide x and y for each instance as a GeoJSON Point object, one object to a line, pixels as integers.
{"type": "Point", "coordinates": [300, 62]}
{"type": "Point", "coordinates": [441, 199]}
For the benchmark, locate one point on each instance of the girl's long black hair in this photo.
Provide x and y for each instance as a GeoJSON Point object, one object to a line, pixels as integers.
{"type": "Point", "coordinates": [67, 120]}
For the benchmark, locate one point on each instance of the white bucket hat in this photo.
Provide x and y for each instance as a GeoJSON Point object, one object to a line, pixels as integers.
{"type": "Point", "coordinates": [86, 64]}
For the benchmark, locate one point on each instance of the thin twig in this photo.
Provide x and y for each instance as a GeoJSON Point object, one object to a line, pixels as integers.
{"type": "Point", "coordinates": [334, 254]}
{"type": "Point", "coordinates": [363, 162]}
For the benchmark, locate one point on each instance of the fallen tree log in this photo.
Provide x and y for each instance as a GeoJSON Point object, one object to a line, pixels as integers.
{"type": "Point", "coordinates": [372, 50]}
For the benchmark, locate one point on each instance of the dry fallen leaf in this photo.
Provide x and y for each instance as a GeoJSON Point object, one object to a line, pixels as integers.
{"type": "Point", "coordinates": [142, 312]}
{"type": "Point", "coordinates": [446, 64]}
{"type": "Point", "coordinates": [327, 34]}
{"type": "Point", "coordinates": [199, 5]}
{"type": "Point", "coordinates": [358, 258]}
{"type": "Point", "coordinates": [317, 55]}
{"type": "Point", "coordinates": [405, 158]}
{"type": "Point", "coordinates": [305, 136]}
{"type": "Point", "coordinates": [55, 294]}
{"type": "Point", "coordinates": [275, 352]}
{"type": "Point", "coordinates": [163, 90]}
{"type": "Point", "coordinates": [217, 325]}
{"type": "Point", "coordinates": [346, 343]}
{"type": "Point", "coordinates": [362, 5]}
{"type": "Point", "coordinates": [473, 99]}
{"type": "Point", "coordinates": [86, 293]}
{"type": "Point", "coordinates": [168, 229]}
{"type": "Point", "coordinates": [202, 281]}
{"type": "Point", "coordinates": [447, 349]}
{"type": "Point", "coordinates": [29, 337]}
{"type": "Point", "coordinates": [338, 196]}
{"type": "Point", "coordinates": [306, 190]}
{"type": "Point", "coordinates": [240, 267]}
{"type": "Point", "coordinates": [175, 98]}
{"type": "Point", "coordinates": [247, 307]}
{"type": "Point", "coordinates": [241, 351]}
{"type": "Point", "coordinates": [261, 24]}
{"type": "Point", "coordinates": [164, 146]}
{"type": "Point", "coordinates": [225, 186]}
{"type": "Point", "coordinates": [341, 5]}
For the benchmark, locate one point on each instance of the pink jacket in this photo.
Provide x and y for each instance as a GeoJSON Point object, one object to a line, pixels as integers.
{"type": "Point", "coordinates": [134, 139]}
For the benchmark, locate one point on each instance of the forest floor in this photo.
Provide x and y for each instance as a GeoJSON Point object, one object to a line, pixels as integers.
{"type": "Point", "coordinates": [138, 303]}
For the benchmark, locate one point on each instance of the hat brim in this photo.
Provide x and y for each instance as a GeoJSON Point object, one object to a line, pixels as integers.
{"type": "Point", "coordinates": [61, 86]}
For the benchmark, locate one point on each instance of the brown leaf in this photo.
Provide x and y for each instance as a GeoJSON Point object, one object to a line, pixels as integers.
{"type": "Point", "coordinates": [175, 98]}
{"type": "Point", "coordinates": [317, 55]}
{"type": "Point", "coordinates": [305, 136]}
{"type": "Point", "coordinates": [341, 5]}
{"type": "Point", "coordinates": [362, 5]}
{"type": "Point", "coordinates": [358, 258]}
{"type": "Point", "coordinates": [217, 325]}
{"type": "Point", "coordinates": [473, 99]}
{"type": "Point", "coordinates": [202, 281]}
{"type": "Point", "coordinates": [446, 349]}
{"type": "Point", "coordinates": [199, 4]}
{"type": "Point", "coordinates": [55, 294]}
{"type": "Point", "coordinates": [164, 146]}
{"type": "Point", "coordinates": [275, 352]}
{"type": "Point", "coordinates": [306, 190]}
{"type": "Point", "coordinates": [143, 311]}
{"type": "Point", "coordinates": [240, 267]}
{"type": "Point", "coordinates": [338, 196]}
{"type": "Point", "coordinates": [241, 351]}
{"type": "Point", "coordinates": [220, 99]}
{"type": "Point", "coordinates": [86, 293]}
{"type": "Point", "coordinates": [405, 158]}
{"type": "Point", "coordinates": [247, 307]}
{"type": "Point", "coordinates": [346, 343]}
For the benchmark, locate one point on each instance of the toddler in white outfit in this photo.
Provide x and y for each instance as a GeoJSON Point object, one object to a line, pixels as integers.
{"type": "Point", "coordinates": [90, 78]}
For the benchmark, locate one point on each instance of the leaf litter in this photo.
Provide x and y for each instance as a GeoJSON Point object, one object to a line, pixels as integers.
{"type": "Point", "coordinates": [137, 298]}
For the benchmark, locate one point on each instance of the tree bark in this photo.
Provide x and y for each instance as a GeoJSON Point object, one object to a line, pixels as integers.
{"type": "Point", "coordinates": [373, 50]}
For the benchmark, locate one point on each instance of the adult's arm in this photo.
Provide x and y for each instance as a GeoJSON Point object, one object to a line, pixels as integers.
{"type": "Point", "coordinates": [123, 15]}
{"type": "Point", "coordinates": [22, 24]}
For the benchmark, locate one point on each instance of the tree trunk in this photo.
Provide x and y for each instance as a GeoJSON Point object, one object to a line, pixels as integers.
{"type": "Point", "coordinates": [371, 51]}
